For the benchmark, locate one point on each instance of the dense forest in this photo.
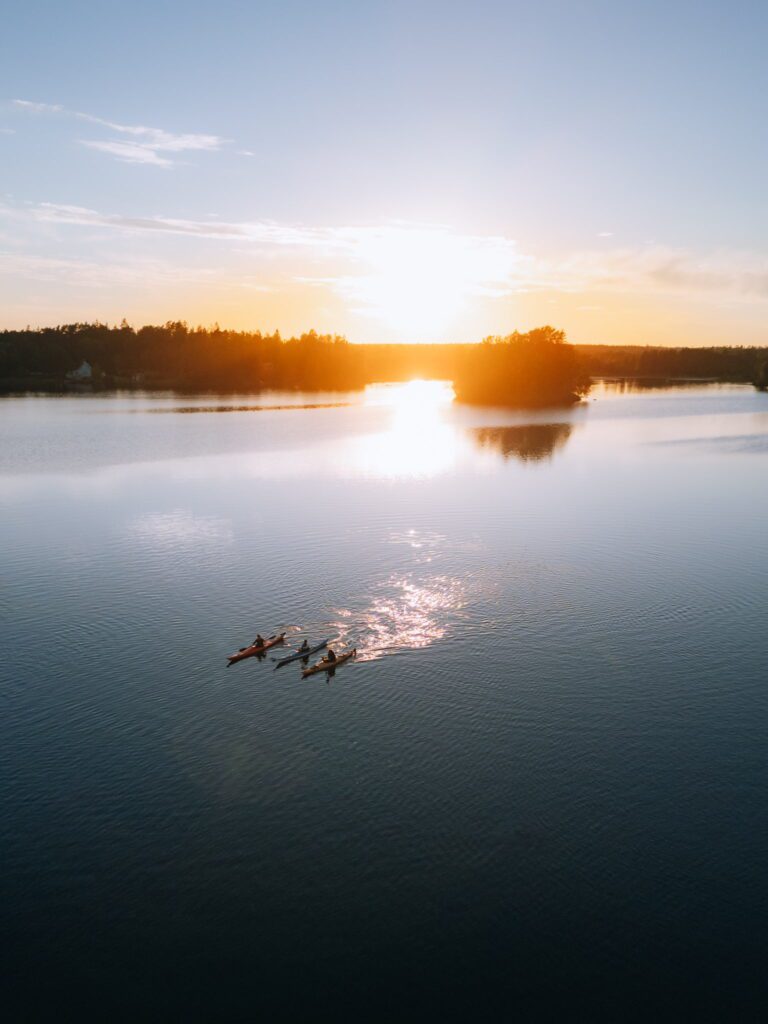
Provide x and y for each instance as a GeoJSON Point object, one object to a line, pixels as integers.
{"type": "Point", "coordinates": [177, 356]}
{"type": "Point", "coordinates": [736, 364]}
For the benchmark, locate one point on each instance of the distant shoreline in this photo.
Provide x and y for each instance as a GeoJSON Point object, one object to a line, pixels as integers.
{"type": "Point", "coordinates": [96, 358]}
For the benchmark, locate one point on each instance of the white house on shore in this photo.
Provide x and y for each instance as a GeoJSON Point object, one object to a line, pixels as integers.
{"type": "Point", "coordinates": [83, 372]}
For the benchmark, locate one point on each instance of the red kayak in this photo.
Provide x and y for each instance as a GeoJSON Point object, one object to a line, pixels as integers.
{"type": "Point", "coordinates": [249, 652]}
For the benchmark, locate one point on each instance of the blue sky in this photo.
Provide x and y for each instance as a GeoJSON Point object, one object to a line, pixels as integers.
{"type": "Point", "coordinates": [420, 171]}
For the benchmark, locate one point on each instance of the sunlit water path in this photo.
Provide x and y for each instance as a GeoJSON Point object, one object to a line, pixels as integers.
{"type": "Point", "coordinates": [543, 778]}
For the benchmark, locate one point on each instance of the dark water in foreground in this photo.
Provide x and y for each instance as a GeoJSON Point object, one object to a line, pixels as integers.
{"type": "Point", "coordinates": [540, 792]}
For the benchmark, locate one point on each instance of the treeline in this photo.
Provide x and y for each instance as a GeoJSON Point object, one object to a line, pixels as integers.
{"type": "Point", "coordinates": [175, 355]}
{"type": "Point", "coordinates": [737, 364]}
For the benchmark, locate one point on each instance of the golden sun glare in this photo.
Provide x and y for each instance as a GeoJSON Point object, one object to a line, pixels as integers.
{"type": "Point", "coordinates": [418, 280]}
{"type": "Point", "coordinates": [419, 441]}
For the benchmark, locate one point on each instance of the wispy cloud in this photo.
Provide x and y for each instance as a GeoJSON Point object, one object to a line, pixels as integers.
{"type": "Point", "coordinates": [147, 145]}
{"type": "Point", "coordinates": [656, 268]}
{"type": "Point", "coordinates": [416, 267]}
{"type": "Point", "coordinates": [40, 108]}
{"type": "Point", "coordinates": [7, 131]}
{"type": "Point", "coordinates": [130, 152]}
{"type": "Point", "coordinates": [397, 250]}
{"type": "Point", "coordinates": [254, 231]}
{"type": "Point", "coordinates": [104, 274]}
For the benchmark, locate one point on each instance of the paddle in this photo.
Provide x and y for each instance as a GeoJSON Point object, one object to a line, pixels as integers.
{"type": "Point", "coordinates": [274, 636]}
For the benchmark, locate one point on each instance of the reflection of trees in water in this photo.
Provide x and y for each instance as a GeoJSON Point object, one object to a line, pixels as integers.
{"type": "Point", "coordinates": [531, 442]}
{"type": "Point", "coordinates": [636, 385]}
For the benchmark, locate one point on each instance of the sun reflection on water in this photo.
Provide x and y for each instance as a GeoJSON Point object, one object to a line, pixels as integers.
{"type": "Point", "coordinates": [424, 544]}
{"type": "Point", "coordinates": [419, 442]}
{"type": "Point", "coordinates": [407, 615]}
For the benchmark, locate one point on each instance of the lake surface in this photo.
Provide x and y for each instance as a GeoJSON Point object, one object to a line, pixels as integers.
{"type": "Point", "coordinates": [538, 793]}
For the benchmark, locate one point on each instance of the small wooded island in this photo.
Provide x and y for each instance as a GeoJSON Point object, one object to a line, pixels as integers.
{"type": "Point", "coordinates": [538, 368]}
{"type": "Point", "coordinates": [531, 370]}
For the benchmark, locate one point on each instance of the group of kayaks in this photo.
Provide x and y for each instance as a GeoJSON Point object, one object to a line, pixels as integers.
{"type": "Point", "coordinates": [325, 664]}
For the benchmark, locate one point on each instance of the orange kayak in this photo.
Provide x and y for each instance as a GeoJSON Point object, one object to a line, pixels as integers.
{"type": "Point", "coordinates": [327, 666]}
{"type": "Point", "coordinates": [249, 652]}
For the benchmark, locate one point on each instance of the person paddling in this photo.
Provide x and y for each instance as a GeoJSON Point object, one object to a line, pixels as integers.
{"type": "Point", "coordinates": [331, 655]}
{"type": "Point", "coordinates": [305, 645]}
{"type": "Point", "coordinates": [259, 641]}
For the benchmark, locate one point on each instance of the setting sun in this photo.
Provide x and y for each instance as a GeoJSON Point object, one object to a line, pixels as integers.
{"type": "Point", "coordinates": [417, 280]}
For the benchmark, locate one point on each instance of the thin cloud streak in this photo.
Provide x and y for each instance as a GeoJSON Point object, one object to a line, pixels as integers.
{"type": "Point", "coordinates": [147, 145]}
{"type": "Point", "coordinates": [39, 108]}
{"type": "Point", "coordinates": [129, 152]}
{"type": "Point", "coordinates": [262, 232]}
{"type": "Point", "coordinates": [97, 275]}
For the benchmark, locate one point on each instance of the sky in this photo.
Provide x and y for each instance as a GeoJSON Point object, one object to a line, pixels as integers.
{"type": "Point", "coordinates": [420, 171]}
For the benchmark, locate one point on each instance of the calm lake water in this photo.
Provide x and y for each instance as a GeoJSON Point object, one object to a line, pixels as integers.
{"type": "Point", "coordinates": [538, 793]}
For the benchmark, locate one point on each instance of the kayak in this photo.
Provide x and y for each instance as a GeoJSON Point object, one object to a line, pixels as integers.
{"type": "Point", "coordinates": [301, 654]}
{"type": "Point", "coordinates": [248, 652]}
{"type": "Point", "coordinates": [326, 666]}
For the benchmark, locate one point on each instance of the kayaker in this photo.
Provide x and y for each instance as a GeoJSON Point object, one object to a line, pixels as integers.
{"type": "Point", "coordinates": [304, 646]}
{"type": "Point", "coordinates": [259, 641]}
{"type": "Point", "coordinates": [331, 656]}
